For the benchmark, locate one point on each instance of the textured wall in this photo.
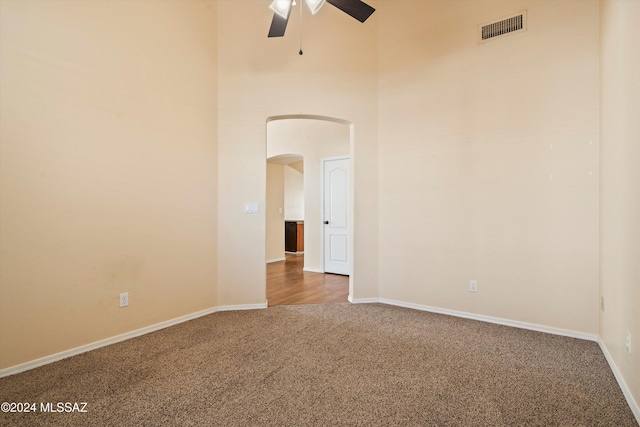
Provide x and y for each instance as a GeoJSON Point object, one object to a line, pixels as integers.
{"type": "Point", "coordinates": [275, 218]}
{"type": "Point", "coordinates": [489, 160]}
{"type": "Point", "coordinates": [108, 169]}
{"type": "Point", "coordinates": [620, 186]}
{"type": "Point", "coordinates": [294, 193]}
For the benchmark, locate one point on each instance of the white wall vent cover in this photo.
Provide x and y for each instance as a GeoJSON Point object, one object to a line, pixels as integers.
{"type": "Point", "coordinates": [510, 25]}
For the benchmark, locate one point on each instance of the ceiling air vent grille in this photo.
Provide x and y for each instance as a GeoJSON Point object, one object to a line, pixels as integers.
{"type": "Point", "coordinates": [509, 25]}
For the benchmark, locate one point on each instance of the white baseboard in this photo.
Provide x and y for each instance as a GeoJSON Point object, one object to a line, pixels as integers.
{"type": "Point", "coordinates": [122, 337]}
{"type": "Point", "coordinates": [490, 319]}
{"type": "Point", "coordinates": [482, 318]}
{"type": "Point", "coordinates": [242, 307]}
{"type": "Point", "coordinates": [623, 385]}
{"type": "Point", "coordinates": [312, 270]}
{"type": "Point", "coordinates": [269, 261]}
{"type": "Point", "coordinates": [362, 300]}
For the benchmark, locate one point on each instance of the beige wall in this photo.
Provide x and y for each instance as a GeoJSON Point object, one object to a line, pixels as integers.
{"type": "Point", "coordinates": [108, 169]}
{"type": "Point", "coordinates": [620, 186]}
{"type": "Point", "coordinates": [314, 140]}
{"type": "Point", "coordinates": [294, 193]}
{"type": "Point", "coordinates": [489, 160]}
{"type": "Point", "coordinates": [261, 78]}
{"type": "Point", "coordinates": [274, 215]}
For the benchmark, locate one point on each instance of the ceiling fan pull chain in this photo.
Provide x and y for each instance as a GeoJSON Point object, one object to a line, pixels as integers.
{"type": "Point", "coordinates": [300, 29]}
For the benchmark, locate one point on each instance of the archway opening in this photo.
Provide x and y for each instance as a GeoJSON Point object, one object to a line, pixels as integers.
{"type": "Point", "coordinates": [303, 142]}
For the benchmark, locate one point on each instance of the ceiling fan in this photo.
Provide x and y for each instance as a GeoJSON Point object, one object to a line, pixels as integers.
{"type": "Point", "coordinates": [282, 10]}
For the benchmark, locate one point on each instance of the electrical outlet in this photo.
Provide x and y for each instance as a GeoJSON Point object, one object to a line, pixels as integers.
{"type": "Point", "coordinates": [124, 299]}
{"type": "Point", "coordinates": [473, 285]}
{"type": "Point", "coordinates": [628, 342]}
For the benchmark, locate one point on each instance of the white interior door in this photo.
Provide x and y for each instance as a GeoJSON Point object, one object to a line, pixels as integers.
{"type": "Point", "coordinates": [336, 215]}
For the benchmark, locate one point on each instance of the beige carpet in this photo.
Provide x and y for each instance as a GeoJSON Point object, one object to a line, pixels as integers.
{"type": "Point", "coordinates": [329, 364]}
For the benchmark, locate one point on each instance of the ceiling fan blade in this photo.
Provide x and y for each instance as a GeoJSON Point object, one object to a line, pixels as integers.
{"type": "Point", "coordinates": [279, 25]}
{"type": "Point", "coordinates": [357, 9]}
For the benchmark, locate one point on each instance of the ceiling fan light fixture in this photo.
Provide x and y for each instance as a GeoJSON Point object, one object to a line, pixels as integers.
{"type": "Point", "coordinates": [315, 5]}
{"type": "Point", "coordinates": [281, 7]}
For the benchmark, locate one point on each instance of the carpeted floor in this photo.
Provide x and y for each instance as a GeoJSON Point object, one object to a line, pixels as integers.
{"type": "Point", "coordinates": [329, 364]}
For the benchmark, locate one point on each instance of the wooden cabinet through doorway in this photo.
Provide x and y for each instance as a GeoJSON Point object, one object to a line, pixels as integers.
{"type": "Point", "coordinates": [294, 236]}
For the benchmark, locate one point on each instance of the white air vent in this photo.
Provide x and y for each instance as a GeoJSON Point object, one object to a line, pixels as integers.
{"type": "Point", "coordinates": [506, 26]}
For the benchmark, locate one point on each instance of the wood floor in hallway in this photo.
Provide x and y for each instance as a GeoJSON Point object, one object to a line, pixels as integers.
{"type": "Point", "coordinates": [288, 284]}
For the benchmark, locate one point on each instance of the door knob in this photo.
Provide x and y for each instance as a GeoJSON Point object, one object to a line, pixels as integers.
{"type": "Point", "coordinates": [326, 222]}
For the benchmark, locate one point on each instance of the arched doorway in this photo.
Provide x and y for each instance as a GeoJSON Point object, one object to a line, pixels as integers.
{"type": "Point", "coordinates": [301, 276]}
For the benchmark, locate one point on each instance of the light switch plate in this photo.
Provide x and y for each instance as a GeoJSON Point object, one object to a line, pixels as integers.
{"type": "Point", "coordinates": [251, 207]}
